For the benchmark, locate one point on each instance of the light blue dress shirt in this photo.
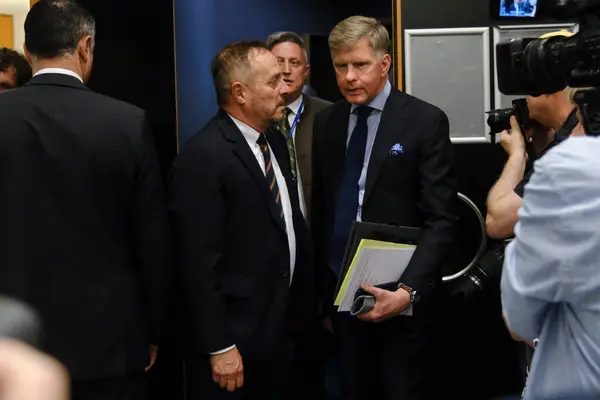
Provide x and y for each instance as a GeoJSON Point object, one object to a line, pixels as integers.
{"type": "Point", "coordinates": [551, 278]}
{"type": "Point", "coordinates": [377, 105]}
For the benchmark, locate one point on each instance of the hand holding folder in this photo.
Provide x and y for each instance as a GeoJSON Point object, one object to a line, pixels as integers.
{"type": "Point", "coordinates": [376, 255]}
{"type": "Point", "coordinates": [380, 303]}
{"type": "Point", "coordinates": [364, 301]}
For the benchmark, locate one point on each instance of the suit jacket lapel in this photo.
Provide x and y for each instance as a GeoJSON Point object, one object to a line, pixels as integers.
{"type": "Point", "coordinates": [337, 132]}
{"type": "Point", "coordinates": [243, 152]}
{"type": "Point", "coordinates": [302, 140]}
{"type": "Point", "coordinates": [392, 121]}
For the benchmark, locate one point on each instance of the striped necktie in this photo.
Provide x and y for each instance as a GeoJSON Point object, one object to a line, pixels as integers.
{"type": "Point", "coordinates": [270, 173]}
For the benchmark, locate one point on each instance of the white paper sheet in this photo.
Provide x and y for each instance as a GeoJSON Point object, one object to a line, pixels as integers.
{"type": "Point", "coordinates": [374, 263]}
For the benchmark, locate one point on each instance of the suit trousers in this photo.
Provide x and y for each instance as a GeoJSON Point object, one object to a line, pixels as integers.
{"type": "Point", "coordinates": [311, 355]}
{"type": "Point", "coordinates": [384, 361]}
{"type": "Point", "coordinates": [130, 387]}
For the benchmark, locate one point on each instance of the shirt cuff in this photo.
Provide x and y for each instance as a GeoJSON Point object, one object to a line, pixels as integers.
{"type": "Point", "coordinates": [216, 353]}
{"type": "Point", "coordinates": [408, 311]}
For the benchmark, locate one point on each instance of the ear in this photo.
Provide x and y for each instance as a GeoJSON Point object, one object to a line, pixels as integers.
{"type": "Point", "coordinates": [27, 53]}
{"type": "Point", "coordinates": [307, 72]}
{"type": "Point", "coordinates": [238, 94]}
{"type": "Point", "coordinates": [386, 63]}
{"type": "Point", "coordinates": [84, 47]}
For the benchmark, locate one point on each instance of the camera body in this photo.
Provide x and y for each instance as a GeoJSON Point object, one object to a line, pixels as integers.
{"type": "Point", "coordinates": [499, 120]}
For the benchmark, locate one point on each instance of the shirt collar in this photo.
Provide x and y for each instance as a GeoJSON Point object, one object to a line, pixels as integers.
{"type": "Point", "coordinates": [250, 134]}
{"type": "Point", "coordinates": [62, 71]}
{"type": "Point", "coordinates": [379, 101]}
{"type": "Point", "coordinates": [295, 105]}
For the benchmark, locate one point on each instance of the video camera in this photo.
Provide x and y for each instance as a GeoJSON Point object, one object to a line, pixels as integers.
{"type": "Point", "coordinates": [531, 66]}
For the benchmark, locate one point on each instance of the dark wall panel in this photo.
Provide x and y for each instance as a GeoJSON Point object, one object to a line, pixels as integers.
{"type": "Point", "coordinates": [134, 62]}
{"type": "Point", "coordinates": [440, 14]}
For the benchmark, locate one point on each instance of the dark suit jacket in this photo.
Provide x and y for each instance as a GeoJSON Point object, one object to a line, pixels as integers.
{"type": "Point", "coordinates": [232, 245]}
{"type": "Point", "coordinates": [303, 142]}
{"type": "Point", "coordinates": [414, 188]}
{"type": "Point", "coordinates": [84, 234]}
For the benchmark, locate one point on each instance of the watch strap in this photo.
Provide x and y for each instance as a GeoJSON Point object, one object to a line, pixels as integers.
{"type": "Point", "coordinates": [414, 298]}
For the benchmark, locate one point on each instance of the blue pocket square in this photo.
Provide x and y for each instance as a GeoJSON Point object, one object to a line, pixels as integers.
{"type": "Point", "coordinates": [396, 149]}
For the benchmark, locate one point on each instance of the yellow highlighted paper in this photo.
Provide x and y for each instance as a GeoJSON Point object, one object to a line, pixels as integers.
{"type": "Point", "coordinates": [375, 262]}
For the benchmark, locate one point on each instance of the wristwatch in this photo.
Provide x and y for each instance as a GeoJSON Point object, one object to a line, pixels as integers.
{"type": "Point", "coordinates": [414, 296]}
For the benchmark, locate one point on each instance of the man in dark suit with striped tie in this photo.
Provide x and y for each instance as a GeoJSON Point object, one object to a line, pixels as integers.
{"type": "Point", "coordinates": [241, 239]}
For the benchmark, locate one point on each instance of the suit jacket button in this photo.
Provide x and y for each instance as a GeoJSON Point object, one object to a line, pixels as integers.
{"type": "Point", "coordinates": [285, 274]}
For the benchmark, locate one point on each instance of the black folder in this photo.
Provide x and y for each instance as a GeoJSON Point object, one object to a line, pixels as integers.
{"type": "Point", "coordinates": [374, 231]}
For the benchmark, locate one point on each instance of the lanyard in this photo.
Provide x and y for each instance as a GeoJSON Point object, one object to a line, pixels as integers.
{"type": "Point", "coordinates": [296, 119]}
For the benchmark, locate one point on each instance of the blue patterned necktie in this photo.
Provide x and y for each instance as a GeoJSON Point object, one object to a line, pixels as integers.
{"type": "Point", "coordinates": [347, 201]}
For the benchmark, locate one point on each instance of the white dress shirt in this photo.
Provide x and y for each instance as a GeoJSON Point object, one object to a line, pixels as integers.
{"type": "Point", "coordinates": [62, 71]}
{"type": "Point", "coordinates": [251, 136]}
{"type": "Point", "coordinates": [551, 276]}
{"type": "Point", "coordinates": [294, 106]}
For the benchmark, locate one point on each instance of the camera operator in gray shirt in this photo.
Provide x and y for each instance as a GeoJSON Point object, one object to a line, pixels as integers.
{"type": "Point", "coordinates": [550, 283]}
{"type": "Point", "coordinates": [554, 116]}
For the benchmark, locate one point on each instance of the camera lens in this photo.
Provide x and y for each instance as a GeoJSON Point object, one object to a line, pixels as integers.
{"type": "Point", "coordinates": [497, 116]}
{"type": "Point", "coordinates": [483, 277]}
{"type": "Point", "coordinates": [547, 64]}
{"type": "Point", "coordinates": [499, 120]}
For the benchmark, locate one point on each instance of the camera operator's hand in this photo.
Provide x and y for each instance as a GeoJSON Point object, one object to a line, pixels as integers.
{"type": "Point", "coordinates": [503, 203]}
{"type": "Point", "coordinates": [513, 142]}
